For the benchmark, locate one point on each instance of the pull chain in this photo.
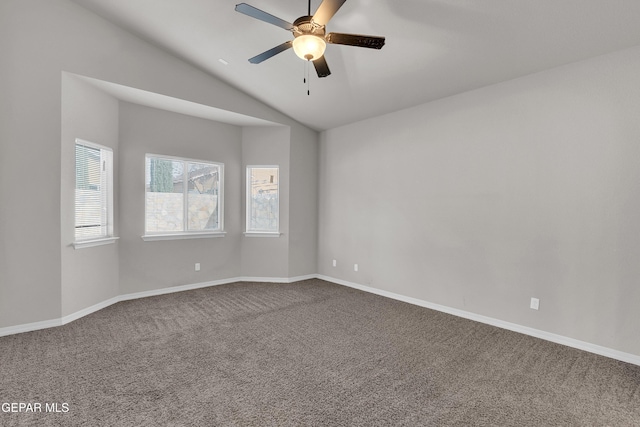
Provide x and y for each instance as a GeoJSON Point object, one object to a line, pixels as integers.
{"type": "Point", "coordinates": [306, 77]}
{"type": "Point", "coordinates": [308, 80]}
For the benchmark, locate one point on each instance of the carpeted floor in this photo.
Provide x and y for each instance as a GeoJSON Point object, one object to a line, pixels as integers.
{"type": "Point", "coordinates": [310, 353]}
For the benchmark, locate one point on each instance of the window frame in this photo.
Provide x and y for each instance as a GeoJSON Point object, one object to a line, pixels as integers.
{"type": "Point", "coordinates": [185, 233]}
{"type": "Point", "coordinates": [248, 203]}
{"type": "Point", "coordinates": [109, 237]}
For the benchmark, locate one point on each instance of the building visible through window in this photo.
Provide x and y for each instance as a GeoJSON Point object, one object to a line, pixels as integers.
{"type": "Point", "coordinates": [263, 204]}
{"type": "Point", "coordinates": [182, 195]}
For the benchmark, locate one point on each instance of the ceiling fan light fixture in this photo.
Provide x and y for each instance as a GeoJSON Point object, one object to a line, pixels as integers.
{"type": "Point", "coordinates": [309, 47]}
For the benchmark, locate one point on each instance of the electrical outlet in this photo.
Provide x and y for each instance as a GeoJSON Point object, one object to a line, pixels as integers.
{"type": "Point", "coordinates": [355, 267]}
{"type": "Point", "coordinates": [197, 266]}
{"type": "Point", "coordinates": [535, 303]}
{"type": "Point", "coordinates": [335, 263]}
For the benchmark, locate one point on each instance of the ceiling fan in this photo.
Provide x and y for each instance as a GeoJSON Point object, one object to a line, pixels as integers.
{"type": "Point", "coordinates": [310, 38]}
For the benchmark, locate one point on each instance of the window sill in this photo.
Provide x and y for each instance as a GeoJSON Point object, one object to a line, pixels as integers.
{"type": "Point", "coordinates": [179, 236]}
{"type": "Point", "coordinates": [263, 234]}
{"type": "Point", "coordinates": [96, 242]}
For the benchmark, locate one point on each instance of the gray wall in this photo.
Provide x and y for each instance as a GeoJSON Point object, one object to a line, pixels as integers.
{"type": "Point", "coordinates": [39, 40]}
{"type": "Point", "coordinates": [481, 201]}
{"type": "Point", "coordinates": [159, 264]}
{"type": "Point", "coordinates": [90, 275]}
{"type": "Point", "coordinates": [267, 256]}
{"type": "Point", "coordinates": [303, 204]}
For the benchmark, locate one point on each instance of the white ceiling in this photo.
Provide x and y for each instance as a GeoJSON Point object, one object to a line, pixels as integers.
{"type": "Point", "coordinates": [434, 48]}
{"type": "Point", "coordinates": [163, 102]}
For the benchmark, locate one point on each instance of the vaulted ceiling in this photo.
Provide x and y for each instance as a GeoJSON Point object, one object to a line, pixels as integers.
{"type": "Point", "coordinates": [434, 48]}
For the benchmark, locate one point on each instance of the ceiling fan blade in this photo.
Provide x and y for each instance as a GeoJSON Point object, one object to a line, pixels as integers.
{"type": "Point", "coordinates": [321, 67]}
{"type": "Point", "coordinates": [271, 52]}
{"type": "Point", "coordinates": [326, 10]}
{"type": "Point", "coordinates": [358, 40]}
{"type": "Point", "coordinates": [263, 16]}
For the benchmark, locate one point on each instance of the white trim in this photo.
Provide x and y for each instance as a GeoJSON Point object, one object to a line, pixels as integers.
{"type": "Point", "coordinates": [247, 205]}
{"type": "Point", "coordinates": [182, 159]}
{"type": "Point", "coordinates": [95, 242]}
{"type": "Point", "coordinates": [86, 311]}
{"type": "Point", "coordinates": [178, 236]}
{"type": "Point", "coordinates": [108, 174]}
{"type": "Point", "coordinates": [301, 278]}
{"type": "Point", "coordinates": [172, 289]}
{"type": "Point", "coordinates": [277, 279]}
{"type": "Point", "coordinates": [548, 336]}
{"type": "Point", "coordinates": [81, 141]}
{"type": "Point", "coordinates": [29, 327]}
{"type": "Point", "coordinates": [219, 198]}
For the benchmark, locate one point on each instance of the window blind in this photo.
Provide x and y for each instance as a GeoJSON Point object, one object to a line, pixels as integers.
{"type": "Point", "coordinates": [92, 194]}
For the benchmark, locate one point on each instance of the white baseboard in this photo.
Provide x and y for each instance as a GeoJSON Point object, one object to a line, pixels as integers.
{"type": "Point", "coordinates": [86, 311]}
{"type": "Point", "coordinates": [548, 336]}
{"type": "Point", "coordinates": [277, 279]}
{"type": "Point", "coordinates": [172, 289]}
{"type": "Point", "coordinates": [28, 327]}
{"type": "Point", "coordinates": [559, 339]}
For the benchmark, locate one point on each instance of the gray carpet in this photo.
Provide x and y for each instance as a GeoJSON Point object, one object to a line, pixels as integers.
{"type": "Point", "coordinates": [310, 353]}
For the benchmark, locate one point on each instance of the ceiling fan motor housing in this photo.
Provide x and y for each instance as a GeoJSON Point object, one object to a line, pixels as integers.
{"type": "Point", "coordinates": [305, 25]}
{"type": "Point", "coordinates": [310, 38]}
{"type": "Point", "coordinates": [313, 35]}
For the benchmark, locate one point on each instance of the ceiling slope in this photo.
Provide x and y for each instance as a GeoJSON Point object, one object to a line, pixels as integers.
{"type": "Point", "coordinates": [434, 48]}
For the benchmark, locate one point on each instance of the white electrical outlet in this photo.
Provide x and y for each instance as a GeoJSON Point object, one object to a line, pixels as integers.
{"type": "Point", "coordinates": [335, 263]}
{"type": "Point", "coordinates": [355, 267]}
{"type": "Point", "coordinates": [197, 266]}
{"type": "Point", "coordinates": [535, 303]}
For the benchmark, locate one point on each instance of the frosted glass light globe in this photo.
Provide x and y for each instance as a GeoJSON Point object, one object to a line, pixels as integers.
{"type": "Point", "coordinates": [309, 47]}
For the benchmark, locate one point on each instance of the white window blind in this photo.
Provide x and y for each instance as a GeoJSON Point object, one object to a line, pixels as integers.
{"type": "Point", "coordinates": [263, 204]}
{"type": "Point", "coordinates": [182, 195]}
{"type": "Point", "coordinates": [93, 194]}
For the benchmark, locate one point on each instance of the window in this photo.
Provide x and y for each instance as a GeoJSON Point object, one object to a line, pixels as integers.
{"type": "Point", "coordinates": [183, 197]}
{"type": "Point", "coordinates": [93, 193]}
{"type": "Point", "coordinates": [262, 199]}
